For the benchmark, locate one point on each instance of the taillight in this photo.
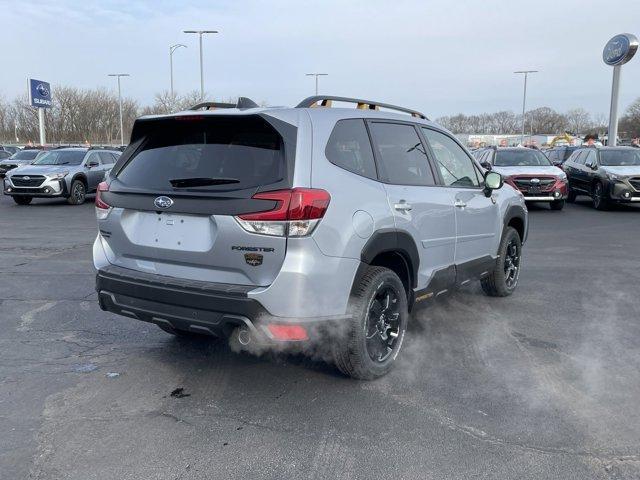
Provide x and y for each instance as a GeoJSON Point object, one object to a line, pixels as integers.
{"type": "Point", "coordinates": [295, 214]}
{"type": "Point", "coordinates": [102, 208]}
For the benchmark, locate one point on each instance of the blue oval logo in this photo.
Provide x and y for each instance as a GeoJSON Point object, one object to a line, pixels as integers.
{"type": "Point", "coordinates": [42, 90]}
{"type": "Point", "coordinates": [620, 49]}
{"type": "Point", "coordinates": [163, 202]}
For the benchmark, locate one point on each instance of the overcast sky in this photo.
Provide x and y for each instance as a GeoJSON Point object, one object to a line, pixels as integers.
{"type": "Point", "coordinates": [438, 56]}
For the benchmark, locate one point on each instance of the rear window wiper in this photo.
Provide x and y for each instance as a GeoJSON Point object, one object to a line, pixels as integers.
{"type": "Point", "coordinates": [201, 182]}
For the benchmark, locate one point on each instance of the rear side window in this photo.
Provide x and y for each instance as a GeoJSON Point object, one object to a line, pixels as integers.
{"type": "Point", "coordinates": [349, 148]}
{"type": "Point", "coordinates": [402, 156]}
{"type": "Point", "coordinates": [221, 153]}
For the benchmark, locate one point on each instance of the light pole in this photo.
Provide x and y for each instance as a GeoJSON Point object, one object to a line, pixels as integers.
{"type": "Point", "coordinates": [316, 75]}
{"type": "Point", "coordinates": [524, 98]}
{"type": "Point", "coordinates": [172, 49]}
{"type": "Point", "coordinates": [118, 75]}
{"type": "Point", "coordinates": [200, 33]}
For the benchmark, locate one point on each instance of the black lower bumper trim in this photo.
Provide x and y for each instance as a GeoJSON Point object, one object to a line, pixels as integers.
{"type": "Point", "coordinates": [182, 303]}
{"type": "Point", "coordinates": [204, 307]}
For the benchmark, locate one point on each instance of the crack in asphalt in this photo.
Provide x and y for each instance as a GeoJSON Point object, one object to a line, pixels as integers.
{"type": "Point", "coordinates": [480, 435]}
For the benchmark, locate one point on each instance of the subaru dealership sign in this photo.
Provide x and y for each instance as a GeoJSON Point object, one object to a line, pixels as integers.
{"type": "Point", "coordinates": [39, 93]}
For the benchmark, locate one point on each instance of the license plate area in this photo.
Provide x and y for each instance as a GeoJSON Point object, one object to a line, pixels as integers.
{"type": "Point", "coordinates": [168, 231]}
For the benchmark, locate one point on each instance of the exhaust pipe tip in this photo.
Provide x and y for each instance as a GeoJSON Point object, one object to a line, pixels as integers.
{"type": "Point", "coordinates": [244, 337]}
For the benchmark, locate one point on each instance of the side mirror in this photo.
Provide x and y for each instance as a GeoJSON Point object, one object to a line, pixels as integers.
{"type": "Point", "coordinates": [593, 166]}
{"type": "Point", "coordinates": [93, 163]}
{"type": "Point", "coordinates": [486, 165]}
{"type": "Point", "coordinates": [492, 181]}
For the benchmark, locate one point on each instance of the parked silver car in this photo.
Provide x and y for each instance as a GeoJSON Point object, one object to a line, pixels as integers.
{"type": "Point", "coordinates": [70, 173]}
{"type": "Point", "coordinates": [304, 226]}
{"type": "Point", "coordinates": [21, 157]}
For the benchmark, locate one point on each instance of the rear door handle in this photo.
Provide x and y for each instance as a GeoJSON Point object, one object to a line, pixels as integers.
{"type": "Point", "coordinates": [403, 206]}
{"type": "Point", "coordinates": [460, 204]}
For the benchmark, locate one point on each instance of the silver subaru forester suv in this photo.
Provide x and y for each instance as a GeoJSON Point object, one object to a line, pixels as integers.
{"type": "Point", "coordinates": [310, 226]}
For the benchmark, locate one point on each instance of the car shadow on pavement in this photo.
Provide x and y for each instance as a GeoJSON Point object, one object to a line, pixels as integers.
{"type": "Point", "coordinates": [53, 202]}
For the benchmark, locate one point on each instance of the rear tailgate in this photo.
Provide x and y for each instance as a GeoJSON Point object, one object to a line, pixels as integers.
{"type": "Point", "coordinates": [166, 221]}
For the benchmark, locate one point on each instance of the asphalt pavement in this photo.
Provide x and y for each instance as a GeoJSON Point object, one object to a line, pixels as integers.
{"type": "Point", "coordinates": [543, 384]}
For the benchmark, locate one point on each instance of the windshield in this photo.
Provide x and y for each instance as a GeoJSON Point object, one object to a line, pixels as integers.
{"type": "Point", "coordinates": [61, 157]}
{"type": "Point", "coordinates": [219, 154]}
{"type": "Point", "coordinates": [25, 155]}
{"type": "Point", "coordinates": [620, 158]}
{"type": "Point", "coordinates": [525, 157]}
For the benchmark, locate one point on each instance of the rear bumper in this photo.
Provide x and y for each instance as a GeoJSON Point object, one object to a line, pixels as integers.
{"type": "Point", "coordinates": [200, 307]}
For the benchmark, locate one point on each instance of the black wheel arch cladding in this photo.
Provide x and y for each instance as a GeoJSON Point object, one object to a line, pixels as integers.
{"type": "Point", "coordinates": [390, 240]}
{"type": "Point", "coordinates": [516, 217]}
{"type": "Point", "coordinates": [80, 177]}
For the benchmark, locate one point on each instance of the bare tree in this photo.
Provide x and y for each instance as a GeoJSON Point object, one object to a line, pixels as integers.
{"type": "Point", "coordinates": [630, 122]}
{"type": "Point", "coordinates": [578, 121]}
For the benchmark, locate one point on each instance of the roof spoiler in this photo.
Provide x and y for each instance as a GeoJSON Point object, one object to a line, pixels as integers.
{"type": "Point", "coordinates": [326, 101]}
{"type": "Point", "coordinates": [243, 102]}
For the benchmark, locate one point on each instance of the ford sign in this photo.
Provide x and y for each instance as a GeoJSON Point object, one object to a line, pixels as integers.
{"type": "Point", "coordinates": [163, 202]}
{"type": "Point", "coordinates": [620, 49]}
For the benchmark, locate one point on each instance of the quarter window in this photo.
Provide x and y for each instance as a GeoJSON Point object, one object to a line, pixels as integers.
{"type": "Point", "coordinates": [402, 158]}
{"type": "Point", "coordinates": [455, 166]}
{"type": "Point", "coordinates": [349, 148]}
{"type": "Point", "coordinates": [106, 158]}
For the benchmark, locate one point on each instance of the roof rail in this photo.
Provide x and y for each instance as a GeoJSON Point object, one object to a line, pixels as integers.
{"type": "Point", "coordinates": [212, 105]}
{"type": "Point", "coordinates": [243, 102]}
{"type": "Point", "coordinates": [326, 100]}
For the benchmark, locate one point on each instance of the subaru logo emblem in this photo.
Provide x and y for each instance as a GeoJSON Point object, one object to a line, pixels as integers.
{"type": "Point", "coordinates": [26, 178]}
{"type": "Point", "coordinates": [42, 90]}
{"type": "Point", "coordinates": [163, 202]}
{"type": "Point", "coordinates": [535, 180]}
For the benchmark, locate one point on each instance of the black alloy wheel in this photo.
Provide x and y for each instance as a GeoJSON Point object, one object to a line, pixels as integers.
{"type": "Point", "coordinates": [599, 200]}
{"type": "Point", "coordinates": [78, 193]}
{"type": "Point", "coordinates": [512, 264]}
{"type": "Point", "coordinates": [382, 326]}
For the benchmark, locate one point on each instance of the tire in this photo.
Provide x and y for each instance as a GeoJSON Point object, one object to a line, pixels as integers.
{"type": "Point", "coordinates": [375, 331]}
{"type": "Point", "coordinates": [77, 193]}
{"type": "Point", "coordinates": [571, 196]}
{"type": "Point", "coordinates": [22, 200]}
{"type": "Point", "coordinates": [600, 201]}
{"type": "Point", "coordinates": [504, 279]}
{"type": "Point", "coordinates": [557, 205]}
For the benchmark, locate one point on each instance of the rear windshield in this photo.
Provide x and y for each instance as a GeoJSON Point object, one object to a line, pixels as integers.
{"type": "Point", "coordinates": [223, 153]}
{"type": "Point", "coordinates": [25, 154]}
{"type": "Point", "coordinates": [526, 157]}
{"type": "Point", "coordinates": [620, 158]}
